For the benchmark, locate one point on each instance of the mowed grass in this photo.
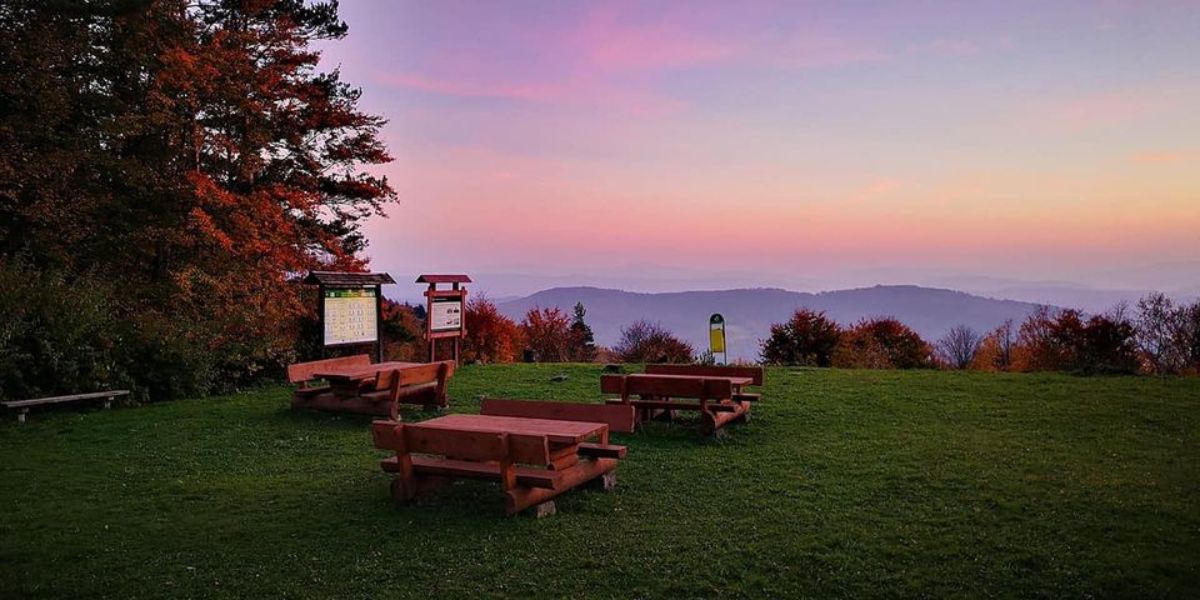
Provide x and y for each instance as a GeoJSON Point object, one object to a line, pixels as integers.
{"type": "Point", "coordinates": [845, 483]}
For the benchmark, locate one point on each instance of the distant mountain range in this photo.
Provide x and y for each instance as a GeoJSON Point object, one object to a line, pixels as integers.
{"type": "Point", "coordinates": [749, 313]}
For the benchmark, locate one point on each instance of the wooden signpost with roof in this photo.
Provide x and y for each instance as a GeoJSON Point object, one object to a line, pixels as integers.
{"type": "Point", "coordinates": [445, 311]}
{"type": "Point", "coordinates": [350, 308]}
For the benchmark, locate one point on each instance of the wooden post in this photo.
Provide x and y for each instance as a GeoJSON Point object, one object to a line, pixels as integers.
{"type": "Point", "coordinates": [21, 415]}
{"type": "Point", "coordinates": [379, 323]}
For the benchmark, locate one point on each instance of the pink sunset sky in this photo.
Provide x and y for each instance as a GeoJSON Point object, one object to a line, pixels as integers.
{"type": "Point", "coordinates": [806, 145]}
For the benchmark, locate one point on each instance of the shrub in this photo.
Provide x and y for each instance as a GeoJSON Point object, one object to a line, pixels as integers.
{"type": "Point", "coordinates": [1064, 341]}
{"type": "Point", "coordinates": [66, 334]}
{"type": "Point", "coordinates": [808, 338]}
{"type": "Point", "coordinates": [59, 335]}
{"type": "Point", "coordinates": [883, 343]}
{"type": "Point", "coordinates": [1108, 347]}
{"type": "Point", "coordinates": [403, 332]}
{"type": "Point", "coordinates": [645, 342]}
{"type": "Point", "coordinates": [491, 337]}
{"type": "Point", "coordinates": [547, 333]}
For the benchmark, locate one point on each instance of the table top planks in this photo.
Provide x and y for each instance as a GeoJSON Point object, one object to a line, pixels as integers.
{"type": "Point", "coordinates": [362, 372]}
{"type": "Point", "coordinates": [734, 381]}
{"type": "Point", "coordinates": [561, 432]}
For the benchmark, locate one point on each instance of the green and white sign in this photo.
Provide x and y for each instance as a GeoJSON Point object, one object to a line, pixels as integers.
{"type": "Point", "coordinates": [351, 316]}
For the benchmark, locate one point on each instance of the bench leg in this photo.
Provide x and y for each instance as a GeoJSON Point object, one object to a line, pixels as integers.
{"type": "Point", "coordinates": [606, 482]}
{"type": "Point", "coordinates": [21, 415]}
{"type": "Point", "coordinates": [544, 509]}
{"type": "Point", "coordinates": [107, 403]}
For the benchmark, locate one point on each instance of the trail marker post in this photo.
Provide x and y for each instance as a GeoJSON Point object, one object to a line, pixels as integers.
{"type": "Point", "coordinates": [445, 311]}
{"type": "Point", "coordinates": [716, 337]}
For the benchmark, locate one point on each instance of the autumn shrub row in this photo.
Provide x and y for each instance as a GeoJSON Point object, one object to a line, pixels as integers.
{"type": "Point", "coordinates": [551, 335]}
{"type": "Point", "coordinates": [62, 334]}
{"type": "Point", "coordinates": [1155, 336]}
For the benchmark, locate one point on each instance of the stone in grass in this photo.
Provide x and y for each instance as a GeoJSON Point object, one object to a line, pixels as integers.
{"type": "Point", "coordinates": [558, 378]}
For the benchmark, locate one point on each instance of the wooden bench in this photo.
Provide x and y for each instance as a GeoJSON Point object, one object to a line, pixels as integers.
{"type": "Point", "coordinates": [660, 395]}
{"type": "Point", "coordinates": [303, 374]}
{"type": "Point", "coordinates": [423, 385]}
{"type": "Point", "coordinates": [24, 405]}
{"type": "Point", "coordinates": [618, 417]}
{"type": "Point", "coordinates": [755, 374]}
{"type": "Point", "coordinates": [532, 469]}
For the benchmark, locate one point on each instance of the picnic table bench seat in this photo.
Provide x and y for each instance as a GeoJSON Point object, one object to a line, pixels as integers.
{"type": "Point", "coordinates": [716, 392]}
{"type": "Point", "coordinates": [353, 384]}
{"type": "Point", "coordinates": [23, 406]}
{"type": "Point", "coordinates": [304, 375]}
{"type": "Point", "coordinates": [532, 469]}
{"type": "Point", "coordinates": [619, 418]}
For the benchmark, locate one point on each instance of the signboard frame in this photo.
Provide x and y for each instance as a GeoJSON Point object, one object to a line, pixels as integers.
{"type": "Point", "coordinates": [345, 280]}
{"type": "Point", "coordinates": [457, 294]}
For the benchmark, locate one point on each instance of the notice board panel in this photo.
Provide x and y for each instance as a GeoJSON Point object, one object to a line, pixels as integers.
{"type": "Point", "coordinates": [350, 316]}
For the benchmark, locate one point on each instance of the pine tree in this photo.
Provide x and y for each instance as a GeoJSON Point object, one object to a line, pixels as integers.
{"type": "Point", "coordinates": [583, 342]}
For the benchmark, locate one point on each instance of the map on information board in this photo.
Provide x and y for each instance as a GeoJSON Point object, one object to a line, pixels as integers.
{"type": "Point", "coordinates": [350, 316]}
{"type": "Point", "coordinates": [445, 314]}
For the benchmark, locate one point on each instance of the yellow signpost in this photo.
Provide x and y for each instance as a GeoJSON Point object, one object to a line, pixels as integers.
{"type": "Point", "coordinates": [716, 337]}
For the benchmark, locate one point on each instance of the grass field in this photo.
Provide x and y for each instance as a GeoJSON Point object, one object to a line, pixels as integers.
{"type": "Point", "coordinates": [845, 483]}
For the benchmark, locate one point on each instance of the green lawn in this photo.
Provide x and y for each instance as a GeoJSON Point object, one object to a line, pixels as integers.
{"type": "Point", "coordinates": [845, 483]}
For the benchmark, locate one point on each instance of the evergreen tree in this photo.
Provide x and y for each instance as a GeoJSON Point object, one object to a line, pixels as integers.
{"type": "Point", "coordinates": [583, 342]}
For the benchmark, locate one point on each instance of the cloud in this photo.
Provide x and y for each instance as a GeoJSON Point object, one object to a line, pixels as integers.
{"type": "Point", "coordinates": [604, 41]}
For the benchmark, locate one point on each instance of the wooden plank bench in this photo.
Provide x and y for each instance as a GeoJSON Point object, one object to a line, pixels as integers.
{"type": "Point", "coordinates": [355, 385]}
{"type": "Point", "coordinates": [304, 375]}
{"type": "Point", "coordinates": [534, 460]}
{"type": "Point", "coordinates": [619, 418]}
{"type": "Point", "coordinates": [754, 373]}
{"type": "Point", "coordinates": [662, 394]}
{"type": "Point", "coordinates": [23, 406]}
{"type": "Point", "coordinates": [423, 385]}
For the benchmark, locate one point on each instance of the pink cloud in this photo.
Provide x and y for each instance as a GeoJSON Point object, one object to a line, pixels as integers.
{"type": "Point", "coordinates": [538, 92]}
{"type": "Point", "coordinates": [604, 41]}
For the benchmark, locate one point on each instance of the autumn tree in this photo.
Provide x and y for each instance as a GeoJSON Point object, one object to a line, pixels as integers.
{"type": "Point", "coordinates": [959, 346]}
{"type": "Point", "coordinates": [582, 346]}
{"type": "Point", "coordinates": [491, 337]}
{"type": "Point", "coordinates": [883, 343]}
{"type": "Point", "coordinates": [807, 338]}
{"type": "Point", "coordinates": [547, 333]}
{"type": "Point", "coordinates": [646, 342]}
{"type": "Point", "coordinates": [191, 153]}
{"type": "Point", "coordinates": [403, 332]}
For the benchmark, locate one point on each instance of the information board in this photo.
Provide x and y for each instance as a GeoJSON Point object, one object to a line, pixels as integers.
{"type": "Point", "coordinates": [446, 314]}
{"type": "Point", "coordinates": [350, 316]}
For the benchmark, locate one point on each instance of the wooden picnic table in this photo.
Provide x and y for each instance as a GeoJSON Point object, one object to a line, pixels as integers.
{"type": "Point", "coordinates": [346, 382]}
{"type": "Point", "coordinates": [736, 382]}
{"type": "Point", "coordinates": [560, 434]}
{"type": "Point", "coordinates": [362, 373]}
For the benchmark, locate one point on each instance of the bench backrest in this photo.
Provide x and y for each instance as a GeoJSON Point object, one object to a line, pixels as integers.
{"type": "Point", "coordinates": [754, 373]}
{"type": "Point", "coordinates": [437, 372]}
{"type": "Point", "coordinates": [478, 446]}
{"type": "Point", "coordinates": [671, 387]}
{"type": "Point", "coordinates": [619, 417]}
{"type": "Point", "coordinates": [301, 372]}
